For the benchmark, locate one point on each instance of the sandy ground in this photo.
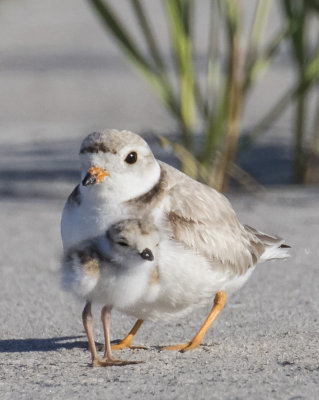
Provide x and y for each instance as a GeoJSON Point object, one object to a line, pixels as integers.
{"type": "Point", "coordinates": [264, 344]}
{"type": "Point", "coordinates": [60, 79]}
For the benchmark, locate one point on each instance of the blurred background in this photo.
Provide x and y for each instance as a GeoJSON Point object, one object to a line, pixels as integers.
{"type": "Point", "coordinates": [231, 86]}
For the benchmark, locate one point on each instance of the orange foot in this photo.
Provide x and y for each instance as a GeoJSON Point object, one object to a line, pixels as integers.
{"type": "Point", "coordinates": [219, 302]}
{"type": "Point", "coordinates": [182, 347]}
{"type": "Point", "coordinates": [122, 345]}
{"type": "Point", "coordinates": [127, 341]}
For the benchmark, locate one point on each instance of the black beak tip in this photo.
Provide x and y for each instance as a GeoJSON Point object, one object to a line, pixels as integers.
{"type": "Point", "coordinates": [89, 179]}
{"type": "Point", "coordinates": [147, 255]}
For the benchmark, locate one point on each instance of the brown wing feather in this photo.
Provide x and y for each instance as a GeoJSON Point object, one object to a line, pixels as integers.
{"type": "Point", "coordinates": [202, 219]}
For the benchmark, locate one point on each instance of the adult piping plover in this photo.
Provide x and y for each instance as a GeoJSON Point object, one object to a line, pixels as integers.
{"type": "Point", "coordinates": [205, 252]}
{"type": "Point", "coordinates": [103, 268]}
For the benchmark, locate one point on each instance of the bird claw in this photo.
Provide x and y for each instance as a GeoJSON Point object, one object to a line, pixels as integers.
{"type": "Point", "coordinates": [180, 347]}
{"type": "Point", "coordinates": [120, 346]}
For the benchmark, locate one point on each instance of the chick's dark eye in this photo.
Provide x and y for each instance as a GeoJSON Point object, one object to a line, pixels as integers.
{"type": "Point", "coordinates": [131, 158]}
{"type": "Point", "coordinates": [124, 244]}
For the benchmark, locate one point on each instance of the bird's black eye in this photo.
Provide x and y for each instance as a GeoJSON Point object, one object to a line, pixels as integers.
{"type": "Point", "coordinates": [147, 254]}
{"type": "Point", "coordinates": [131, 158]}
{"type": "Point", "coordinates": [122, 243]}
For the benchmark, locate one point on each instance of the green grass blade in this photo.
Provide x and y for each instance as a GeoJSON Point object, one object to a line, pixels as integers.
{"type": "Point", "coordinates": [257, 65]}
{"type": "Point", "coordinates": [214, 75]}
{"type": "Point", "coordinates": [296, 14]}
{"type": "Point", "coordinates": [148, 34]}
{"type": "Point", "coordinates": [312, 69]}
{"type": "Point", "coordinates": [135, 56]}
{"type": "Point", "coordinates": [314, 4]}
{"type": "Point", "coordinates": [259, 25]}
{"type": "Point", "coordinates": [315, 134]}
{"type": "Point", "coordinates": [119, 33]}
{"type": "Point", "coordinates": [154, 51]}
{"type": "Point", "coordinates": [230, 10]}
{"type": "Point", "coordinates": [215, 128]}
{"type": "Point", "coordinates": [182, 46]}
{"type": "Point", "coordinates": [311, 77]}
{"type": "Point", "coordinates": [189, 163]}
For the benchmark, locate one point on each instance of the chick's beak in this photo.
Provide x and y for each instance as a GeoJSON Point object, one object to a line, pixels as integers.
{"type": "Point", "coordinates": [94, 175]}
{"type": "Point", "coordinates": [147, 254]}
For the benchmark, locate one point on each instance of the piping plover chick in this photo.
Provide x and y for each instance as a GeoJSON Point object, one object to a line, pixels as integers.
{"type": "Point", "coordinates": [114, 269]}
{"type": "Point", "coordinates": [205, 252]}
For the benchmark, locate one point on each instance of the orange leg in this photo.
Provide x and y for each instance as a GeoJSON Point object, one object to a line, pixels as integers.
{"type": "Point", "coordinates": [219, 302]}
{"type": "Point", "coordinates": [88, 326]}
{"type": "Point", "coordinates": [126, 342]}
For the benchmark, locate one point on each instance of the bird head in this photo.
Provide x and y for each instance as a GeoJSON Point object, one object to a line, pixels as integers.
{"type": "Point", "coordinates": [118, 162]}
{"type": "Point", "coordinates": [133, 241]}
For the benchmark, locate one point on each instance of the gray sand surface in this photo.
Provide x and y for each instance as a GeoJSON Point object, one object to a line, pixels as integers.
{"type": "Point", "coordinates": [263, 345]}
{"type": "Point", "coordinates": [60, 79]}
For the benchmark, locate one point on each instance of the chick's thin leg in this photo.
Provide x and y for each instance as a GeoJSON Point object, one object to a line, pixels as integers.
{"type": "Point", "coordinates": [126, 342]}
{"type": "Point", "coordinates": [108, 359]}
{"type": "Point", "coordinates": [219, 302]}
{"type": "Point", "coordinates": [87, 319]}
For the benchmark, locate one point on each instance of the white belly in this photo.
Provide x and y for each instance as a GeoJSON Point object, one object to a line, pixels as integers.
{"type": "Point", "coordinates": [186, 280]}
{"type": "Point", "coordinates": [121, 290]}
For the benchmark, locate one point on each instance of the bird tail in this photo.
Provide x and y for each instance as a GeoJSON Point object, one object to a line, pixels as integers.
{"type": "Point", "coordinates": [275, 247]}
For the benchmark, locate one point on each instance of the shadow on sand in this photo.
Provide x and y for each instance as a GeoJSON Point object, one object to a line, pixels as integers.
{"type": "Point", "coordinates": [48, 344]}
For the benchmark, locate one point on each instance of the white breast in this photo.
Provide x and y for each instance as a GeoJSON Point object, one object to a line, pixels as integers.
{"type": "Point", "coordinates": [186, 280]}
{"type": "Point", "coordinates": [89, 219]}
{"type": "Point", "coordinates": [122, 287]}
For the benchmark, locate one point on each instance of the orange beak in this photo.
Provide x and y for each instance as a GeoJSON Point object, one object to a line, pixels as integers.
{"type": "Point", "coordinates": [94, 175]}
